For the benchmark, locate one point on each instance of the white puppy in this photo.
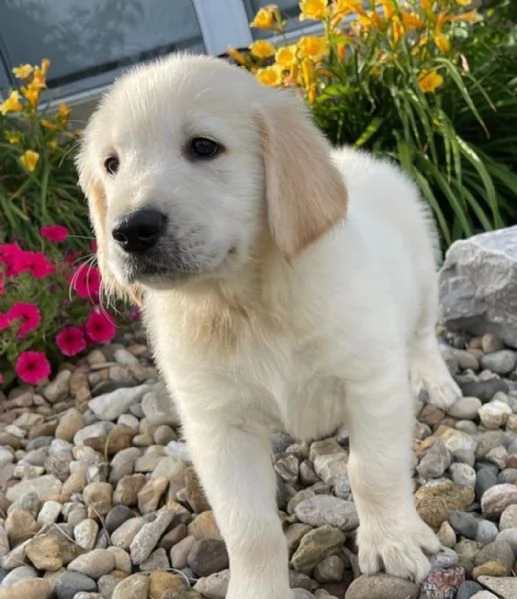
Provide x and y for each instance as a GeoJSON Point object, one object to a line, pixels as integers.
{"type": "Point", "coordinates": [270, 305]}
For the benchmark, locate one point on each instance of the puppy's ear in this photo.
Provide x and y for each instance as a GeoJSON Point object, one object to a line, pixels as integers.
{"type": "Point", "coordinates": [94, 192]}
{"type": "Point", "coordinates": [305, 193]}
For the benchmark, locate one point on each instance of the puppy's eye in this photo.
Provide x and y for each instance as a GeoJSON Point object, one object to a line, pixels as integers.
{"type": "Point", "coordinates": [111, 164]}
{"type": "Point", "coordinates": [202, 147]}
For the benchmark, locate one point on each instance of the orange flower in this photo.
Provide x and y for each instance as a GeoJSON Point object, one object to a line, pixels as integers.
{"type": "Point", "coordinates": [428, 81]}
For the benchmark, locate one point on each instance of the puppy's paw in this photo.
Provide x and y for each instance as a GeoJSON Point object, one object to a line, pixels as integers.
{"type": "Point", "coordinates": [396, 548]}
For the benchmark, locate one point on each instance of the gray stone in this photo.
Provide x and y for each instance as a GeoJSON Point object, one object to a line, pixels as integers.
{"type": "Point", "coordinates": [158, 560]}
{"type": "Point", "coordinates": [478, 285]}
{"type": "Point", "coordinates": [445, 558]}
{"type": "Point", "coordinates": [208, 556]}
{"type": "Point", "coordinates": [180, 551]}
{"type": "Point", "coordinates": [465, 408]}
{"type": "Point", "coordinates": [148, 536]}
{"type": "Point", "coordinates": [509, 517]}
{"type": "Point", "coordinates": [214, 586]}
{"type": "Point", "coordinates": [484, 390]}
{"type": "Point", "coordinates": [435, 462]}
{"type": "Point", "coordinates": [496, 551]}
{"type": "Point", "coordinates": [486, 532]}
{"type": "Point", "coordinates": [117, 516]}
{"type": "Point", "coordinates": [20, 573]}
{"type": "Point", "coordinates": [326, 509]}
{"type": "Point", "coordinates": [494, 414]}
{"type": "Point", "coordinates": [496, 499]}
{"type": "Point", "coordinates": [132, 587]}
{"type": "Point", "coordinates": [381, 586]}
{"type": "Point", "coordinates": [85, 533]}
{"type": "Point", "coordinates": [505, 587]}
{"type": "Point", "coordinates": [486, 478]}
{"type": "Point", "coordinates": [468, 589]}
{"type": "Point", "coordinates": [44, 486]}
{"type": "Point", "coordinates": [110, 406]}
{"type": "Point", "coordinates": [69, 583]}
{"type": "Point", "coordinates": [510, 536]}
{"type": "Point", "coordinates": [330, 569]}
{"type": "Point", "coordinates": [315, 546]}
{"type": "Point", "coordinates": [94, 564]}
{"type": "Point", "coordinates": [463, 474]}
{"type": "Point", "coordinates": [500, 362]}
{"type": "Point", "coordinates": [463, 523]}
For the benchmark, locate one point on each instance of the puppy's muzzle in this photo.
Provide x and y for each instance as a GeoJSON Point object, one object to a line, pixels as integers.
{"type": "Point", "coordinates": [139, 231]}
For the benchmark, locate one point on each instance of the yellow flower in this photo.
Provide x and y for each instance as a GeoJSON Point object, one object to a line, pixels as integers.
{"type": "Point", "coordinates": [23, 71]}
{"type": "Point", "coordinates": [412, 21]}
{"type": "Point", "coordinates": [29, 160]}
{"type": "Point", "coordinates": [53, 143]}
{"type": "Point", "coordinates": [347, 7]}
{"type": "Point", "coordinates": [262, 49]}
{"type": "Point", "coordinates": [12, 138]}
{"type": "Point", "coordinates": [265, 17]}
{"type": "Point", "coordinates": [463, 2]}
{"type": "Point", "coordinates": [313, 9]}
{"type": "Point", "coordinates": [271, 76]}
{"type": "Point", "coordinates": [397, 29]}
{"type": "Point", "coordinates": [45, 63]}
{"type": "Point", "coordinates": [63, 112]}
{"type": "Point", "coordinates": [428, 81]}
{"type": "Point", "coordinates": [236, 55]}
{"type": "Point", "coordinates": [442, 42]}
{"type": "Point", "coordinates": [47, 124]}
{"type": "Point", "coordinates": [32, 93]}
{"type": "Point", "coordinates": [286, 56]}
{"type": "Point", "coordinates": [11, 104]}
{"type": "Point", "coordinates": [313, 46]}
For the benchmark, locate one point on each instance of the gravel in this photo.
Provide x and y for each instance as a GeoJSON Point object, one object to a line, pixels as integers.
{"type": "Point", "coordinates": [98, 498]}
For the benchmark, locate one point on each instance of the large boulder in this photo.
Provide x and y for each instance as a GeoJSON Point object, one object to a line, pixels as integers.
{"type": "Point", "coordinates": [478, 285]}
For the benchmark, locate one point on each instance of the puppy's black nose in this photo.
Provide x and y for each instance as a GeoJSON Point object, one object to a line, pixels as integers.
{"type": "Point", "coordinates": [139, 231]}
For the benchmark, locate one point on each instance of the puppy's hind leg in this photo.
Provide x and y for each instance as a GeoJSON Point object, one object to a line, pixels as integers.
{"type": "Point", "coordinates": [428, 368]}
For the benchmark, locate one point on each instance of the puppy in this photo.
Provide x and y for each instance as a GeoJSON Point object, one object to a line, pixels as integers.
{"type": "Point", "coordinates": [284, 285]}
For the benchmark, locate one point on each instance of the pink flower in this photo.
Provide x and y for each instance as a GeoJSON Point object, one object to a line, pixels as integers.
{"type": "Point", "coordinates": [99, 327]}
{"type": "Point", "coordinates": [1, 379]}
{"type": "Point", "coordinates": [86, 281]}
{"type": "Point", "coordinates": [54, 233]}
{"type": "Point", "coordinates": [9, 255]}
{"type": "Point", "coordinates": [29, 315]}
{"type": "Point", "coordinates": [1, 284]}
{"type": "Point", "coordinates": [34, 262]}
{"type": "Point", "coordinates": [93, 246]}
{"type": "Point", "coordinates": [4, 322]}
{"type": "Point", "coordinates": [32, 367]}
{"type": "Point", "coordinates": [70, 341]}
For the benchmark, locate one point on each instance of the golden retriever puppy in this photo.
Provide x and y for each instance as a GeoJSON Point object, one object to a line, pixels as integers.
{"type": "Point", "coordinates": [285, 285]}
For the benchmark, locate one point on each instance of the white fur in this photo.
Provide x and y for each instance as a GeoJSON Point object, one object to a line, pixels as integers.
{"type": "Point", "coordinates": [256, 341]}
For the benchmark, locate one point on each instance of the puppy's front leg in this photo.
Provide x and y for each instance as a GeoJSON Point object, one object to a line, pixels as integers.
{"type": "Point", "coordinates": [235, 468]}
{"type": "Point", "coordinates": [380, 422]}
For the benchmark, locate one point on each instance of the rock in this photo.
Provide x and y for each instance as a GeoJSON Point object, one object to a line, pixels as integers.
{"type": "Point", "coordinates": [127, 489]}
{"type": "Point", "coordinates": [94, 564]}
{"type": "Point", "coordinates": [486, 478]}
{"type": "Point", "coordinates": [110, 406]}
{"type": "Point", "coordinates": [161, 582]}
{"type": "Point", "coordinates": [501, 362]}
{"type": "Point", "coordinates": [491, 568]}
{"type": "Point", "coordinates": [20, 526]}
{"type": "Point", "coordinates": [108, 582]}
{"type": "Point", "coordinates": [463, 474]}
{"type": "Point", "coordinates": [204, 526]}
{"type": "Point", "coordinates": [506, 588]}
{"type": "Point", "coordinates": [69, 583]}
{"type": "Point", "coordinates": [123, 463]}
{"type": "Point", "coordinates": [326, 509]}
{"type": "Point", "coordinates": [37, 588]}
{"type": "Point", "coordinates": [85, 534]}
{"type": "Point", "coordinates": [214, 586]}
{"type": "Point", "coordinates": [179, 552]}
{"type": "Point", "coordinates": [17, 575]}
{"type": "Point", "coordinates": [44, 552]}
{"type": "Point", "coordinates": [435, 462]}
{"type": "Point", "coordinates": [465, 408]}
{"type": "Point", "coordinates": [49, 513]}
{"type": "Point", "coordinates": [132, 587]}
{"type": "Point", "coordinates": [484, 595]}
{"type": "Point", "coordinates": [484, 390]}
{"type": "Point", "coordinates": [97, 429]}
{"type": "Point", "coordinates": [330, 569]}
{"type": "Point", "coordinates": [455, 440]}
{"type": "Point", "coordinates": [183, 594]}
{"type": "Point", "coordinates": [497, 498]}
{"type": "Point", "coordinates": [463, 523]}
{"type": "Point", "coordinates": [446, 535]}
{"type": "Point", "coordinates": [316, 545]}
{"type": "Point", "coordinates": [381, 586]}
{"type": "Point", "coordinates": [116, 517]}
{"type": "Point", "coordinates": [4, 542]}
{"type": "Point", "coordinates": [58, 388]}
{"type": "Point", "coordinates": [194, 491]}
{"type": "Point", "coordinates": [445, 558]}
{"type": "Point", "coordinates": [496, 551]}
{"type": "Point", "coordinates": [509, 517]}
{"type": "Point", "coordinates": [69, 424]}
{"type": "Point", "coordinates": [151, 493]}
{"type": "Point", "coordinates": [486, 532]}
{"type": "Point", "coordinates": [436, 499]}
{"type": "Point", "coordinates": [158, 408]}
{"type": "Point", "coordinates": [498, 456]}
{"type": "Point", "coordinates": [158, 560]}
{"type": "Point", "coordinates": [124, 535]}
{"type": "Point", "coordinates": [97, 497]}
{"type": "Point", "coordinates": [208, 556]}
{"type": "Point", "coordinates": [494, 414]}
{"type": "Point", "coordinates": [45, 487]}
{"type": "Point", "coordinates": [468, 589]}
{"type": "Point", "coordinates": [510, 536]}
{"type": "Point", "coordinates": [148, 536]}
{"type": "Point", "coordinates": [442, 584]}
{"type": "Point", "coordinates": [121, 560]}
{"type": "Point", "coordinates": [478, 285]}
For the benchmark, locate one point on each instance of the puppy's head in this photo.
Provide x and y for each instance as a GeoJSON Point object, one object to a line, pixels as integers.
{"type": "Point", "coordinates": [189, 164]}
